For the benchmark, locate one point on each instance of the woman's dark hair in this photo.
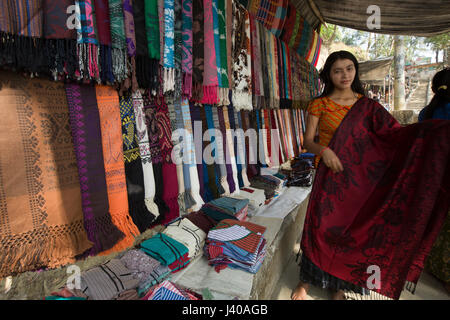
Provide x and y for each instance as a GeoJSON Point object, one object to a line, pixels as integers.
{"type": "Point", "coordinates": [325, 73]}
{"type": "Point", "coordinates": [441, 96]}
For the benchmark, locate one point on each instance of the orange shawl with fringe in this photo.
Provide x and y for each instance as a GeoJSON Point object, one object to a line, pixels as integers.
{"type": "Point", "coordinates": [41, 218]}
{"type": "Point", "coordinates": [111, 128]}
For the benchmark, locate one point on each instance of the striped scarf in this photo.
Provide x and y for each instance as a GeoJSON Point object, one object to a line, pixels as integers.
{"type": "Point", "coordinates": [88, 50]}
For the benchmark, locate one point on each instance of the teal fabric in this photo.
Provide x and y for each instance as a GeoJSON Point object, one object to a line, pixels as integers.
{"type": "Point", "coordinates": [164, 249]}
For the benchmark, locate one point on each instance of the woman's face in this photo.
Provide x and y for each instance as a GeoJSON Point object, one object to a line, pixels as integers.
{"type": "Point", "coordinates": [342, 73]}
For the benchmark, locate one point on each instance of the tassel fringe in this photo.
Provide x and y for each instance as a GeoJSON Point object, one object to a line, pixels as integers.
{"type": "Point", "coordinates": [125, 224]}
{"type": "Point", "coordinates": [245, 178]}
{"type": "Point", "coordinates": [152, 207]}
{"type": "Point", "coordinates": [187, 85]}
{"type": "Point", "coordinates": [242, 100]}
{"type": "Point", "coordinates": [168, 79]}
{"type": "Point", "coordinates": [47, 249]}
{"type": "Point", "coordinates": [119, 59]}
{"type": "Point", "coordinates": [210, 95]}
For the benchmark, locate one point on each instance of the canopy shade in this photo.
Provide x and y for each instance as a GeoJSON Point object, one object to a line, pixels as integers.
{"type": "Point", "coordinates": [405, 17]}
{"type": "Point", "coordinates": [374, 70]}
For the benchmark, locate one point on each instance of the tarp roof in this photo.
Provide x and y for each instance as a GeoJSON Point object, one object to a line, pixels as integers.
{"type": "Point", "coordinates": [405, 17]}
{"type": "Point", "coordinates": [374, 70]}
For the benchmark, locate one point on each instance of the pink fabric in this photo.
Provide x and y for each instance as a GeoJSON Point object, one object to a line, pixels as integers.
{"type": "Point", "coordinates": [210, 81]}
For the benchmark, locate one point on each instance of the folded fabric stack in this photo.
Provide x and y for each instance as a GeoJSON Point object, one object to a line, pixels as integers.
{"type": "Point", "coordinates": [167, 290]}
{"type": "Point", "coordinates": [167, 251]}
{"type": "Point", "coordinates": [300, 173]}
{"type": "Point", "coordinates": [255, 197]}
{"type": "Point", "coordinates": [226, 208]}
{"type": "Point", "coordinates": [201, 220]}
{"type": "Point", "coordinates": [236, 244]}
{"type": "Point", "coordinates": [147, 270]}
{"type": "Point", "coordinates": [271, 185]}
{"type": "Point", "coordinates": [108, 281]}
{"type": "Point", "coordinates": [187, 233]}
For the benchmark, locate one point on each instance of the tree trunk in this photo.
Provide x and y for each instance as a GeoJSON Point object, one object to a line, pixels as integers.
{"type": "Point", "coordinates": [399, 73]}
{"type": "Point", "coordinates": [437, 56]}
{"type": "Point", "coordinates": [333, 35]}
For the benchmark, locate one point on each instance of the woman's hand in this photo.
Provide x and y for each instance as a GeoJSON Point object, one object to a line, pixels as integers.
{"type": "Point", "coordinates": [331, 160]}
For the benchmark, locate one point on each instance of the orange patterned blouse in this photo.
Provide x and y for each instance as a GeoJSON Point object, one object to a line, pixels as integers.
{"type": "Point", "coordinates": [330, 115]}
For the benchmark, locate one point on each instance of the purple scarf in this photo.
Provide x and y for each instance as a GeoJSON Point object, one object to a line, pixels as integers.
{"type": "Point", "coordinates": [87, 140]}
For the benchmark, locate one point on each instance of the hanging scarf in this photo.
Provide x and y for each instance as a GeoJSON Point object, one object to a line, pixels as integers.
{"type": "Point", "coordinates": [104, 39]}
{"type": "Point", "coordinates": [381, 192]}
{"type": "Point", "coordinates": [130, 38]}
{"type": "Point", "coordinates": [146, 67]}
{"type": "Point", "coordinates": [256, 65]}
{"type": "Point", "coordinates": [275, 67]}
{"type": "Point", "coordinates": [178, 52]}
{"type": "Point", "coordinates": [161, 32]}
{"type": "Point", "coordinates": [87, 138]}
{"type": "Point", "coordinates": [296, 82]}
{"type": "Point", "coordinates": [187, 47]}
{"type": "Point", "coordinates": [155, 155]}
{"type": "Point", "coordinates": [197, 129]}
{"type": "Point", "coordinates": [281, 72]}
{"type": "Point", "coordinates": [183, 147]}
{"type": "Point", "coordinates": [37, 170]}
{"type": "Point", "coordinates": [242, 60]}
{"type": "Point", "coordinates": [251, 148]}
{"type": "Point", "coordinates": [152, 28]}
{"type": "Point", "coordinates": [265, 66]}
{"type": "Point", "coordinates": [210, 79]}
{"type": "Point", "coordinates": [144, 151]}
{"type": "Point", "coordinates": [212, 136]}
{"type": "Point", "coordinates": [111, 130]}
{"type": "Point", "coordinates": [220, 154]}
{"type": "Point", "coordinates": [277, 157]}
{"type": "Point", "coordinates": [142, 218]}
{"type": "Point", "coordinates": [198, 50]}
{"type": "Point", "coordinates": [210, 191]}
{"type": "Point", "coordinates": [229, 36]}
{"type": "Point", "coordinates": [60, 44]}
{"type": "Point", "coordinates": [226, 153]}
{"type": "Point", "coordinates": [241, 150]}
{"type": "Point", "coordinates": [289, 23]}
{"type": "Point", "coordinates": [169, 46]}
{"type": "Point", "coordinates": [220, 43]}
{"type": "Point", "coordinates": [190, 148]}
{"type": "Point", "coordinates": [21, 30]}
{"type": "Point", "coordinates": [87, 47]}
{"type": "Point", "coordinates": [237, 145]}
{"type": "Point", "coordinates": [118, 41]}
{"type": "Point", "coordinates": [232, 178]}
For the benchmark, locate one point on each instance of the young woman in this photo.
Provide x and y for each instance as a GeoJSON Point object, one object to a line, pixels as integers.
{"type": "Point", "coordinates": [342, 89]}
{"type": "Point", "coordinates": [438, 263]}
{"type": "Point", "coordinates": [380, 192]}
{"type": "Point", "coordinates": [439, 107]}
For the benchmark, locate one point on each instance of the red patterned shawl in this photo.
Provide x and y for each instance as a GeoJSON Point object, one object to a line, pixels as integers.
{"type": "Point", "coordinates": [387, 206]}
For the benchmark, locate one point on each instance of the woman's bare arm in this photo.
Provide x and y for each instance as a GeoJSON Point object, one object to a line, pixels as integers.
{"type": "Point", "coordinates": [328, 156]}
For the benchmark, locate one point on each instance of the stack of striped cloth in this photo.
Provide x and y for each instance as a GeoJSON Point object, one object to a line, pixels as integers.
{"type": "Point", "coordinates": [236, 244]}
{"type": "Point", "coordinates": [167, 290]}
